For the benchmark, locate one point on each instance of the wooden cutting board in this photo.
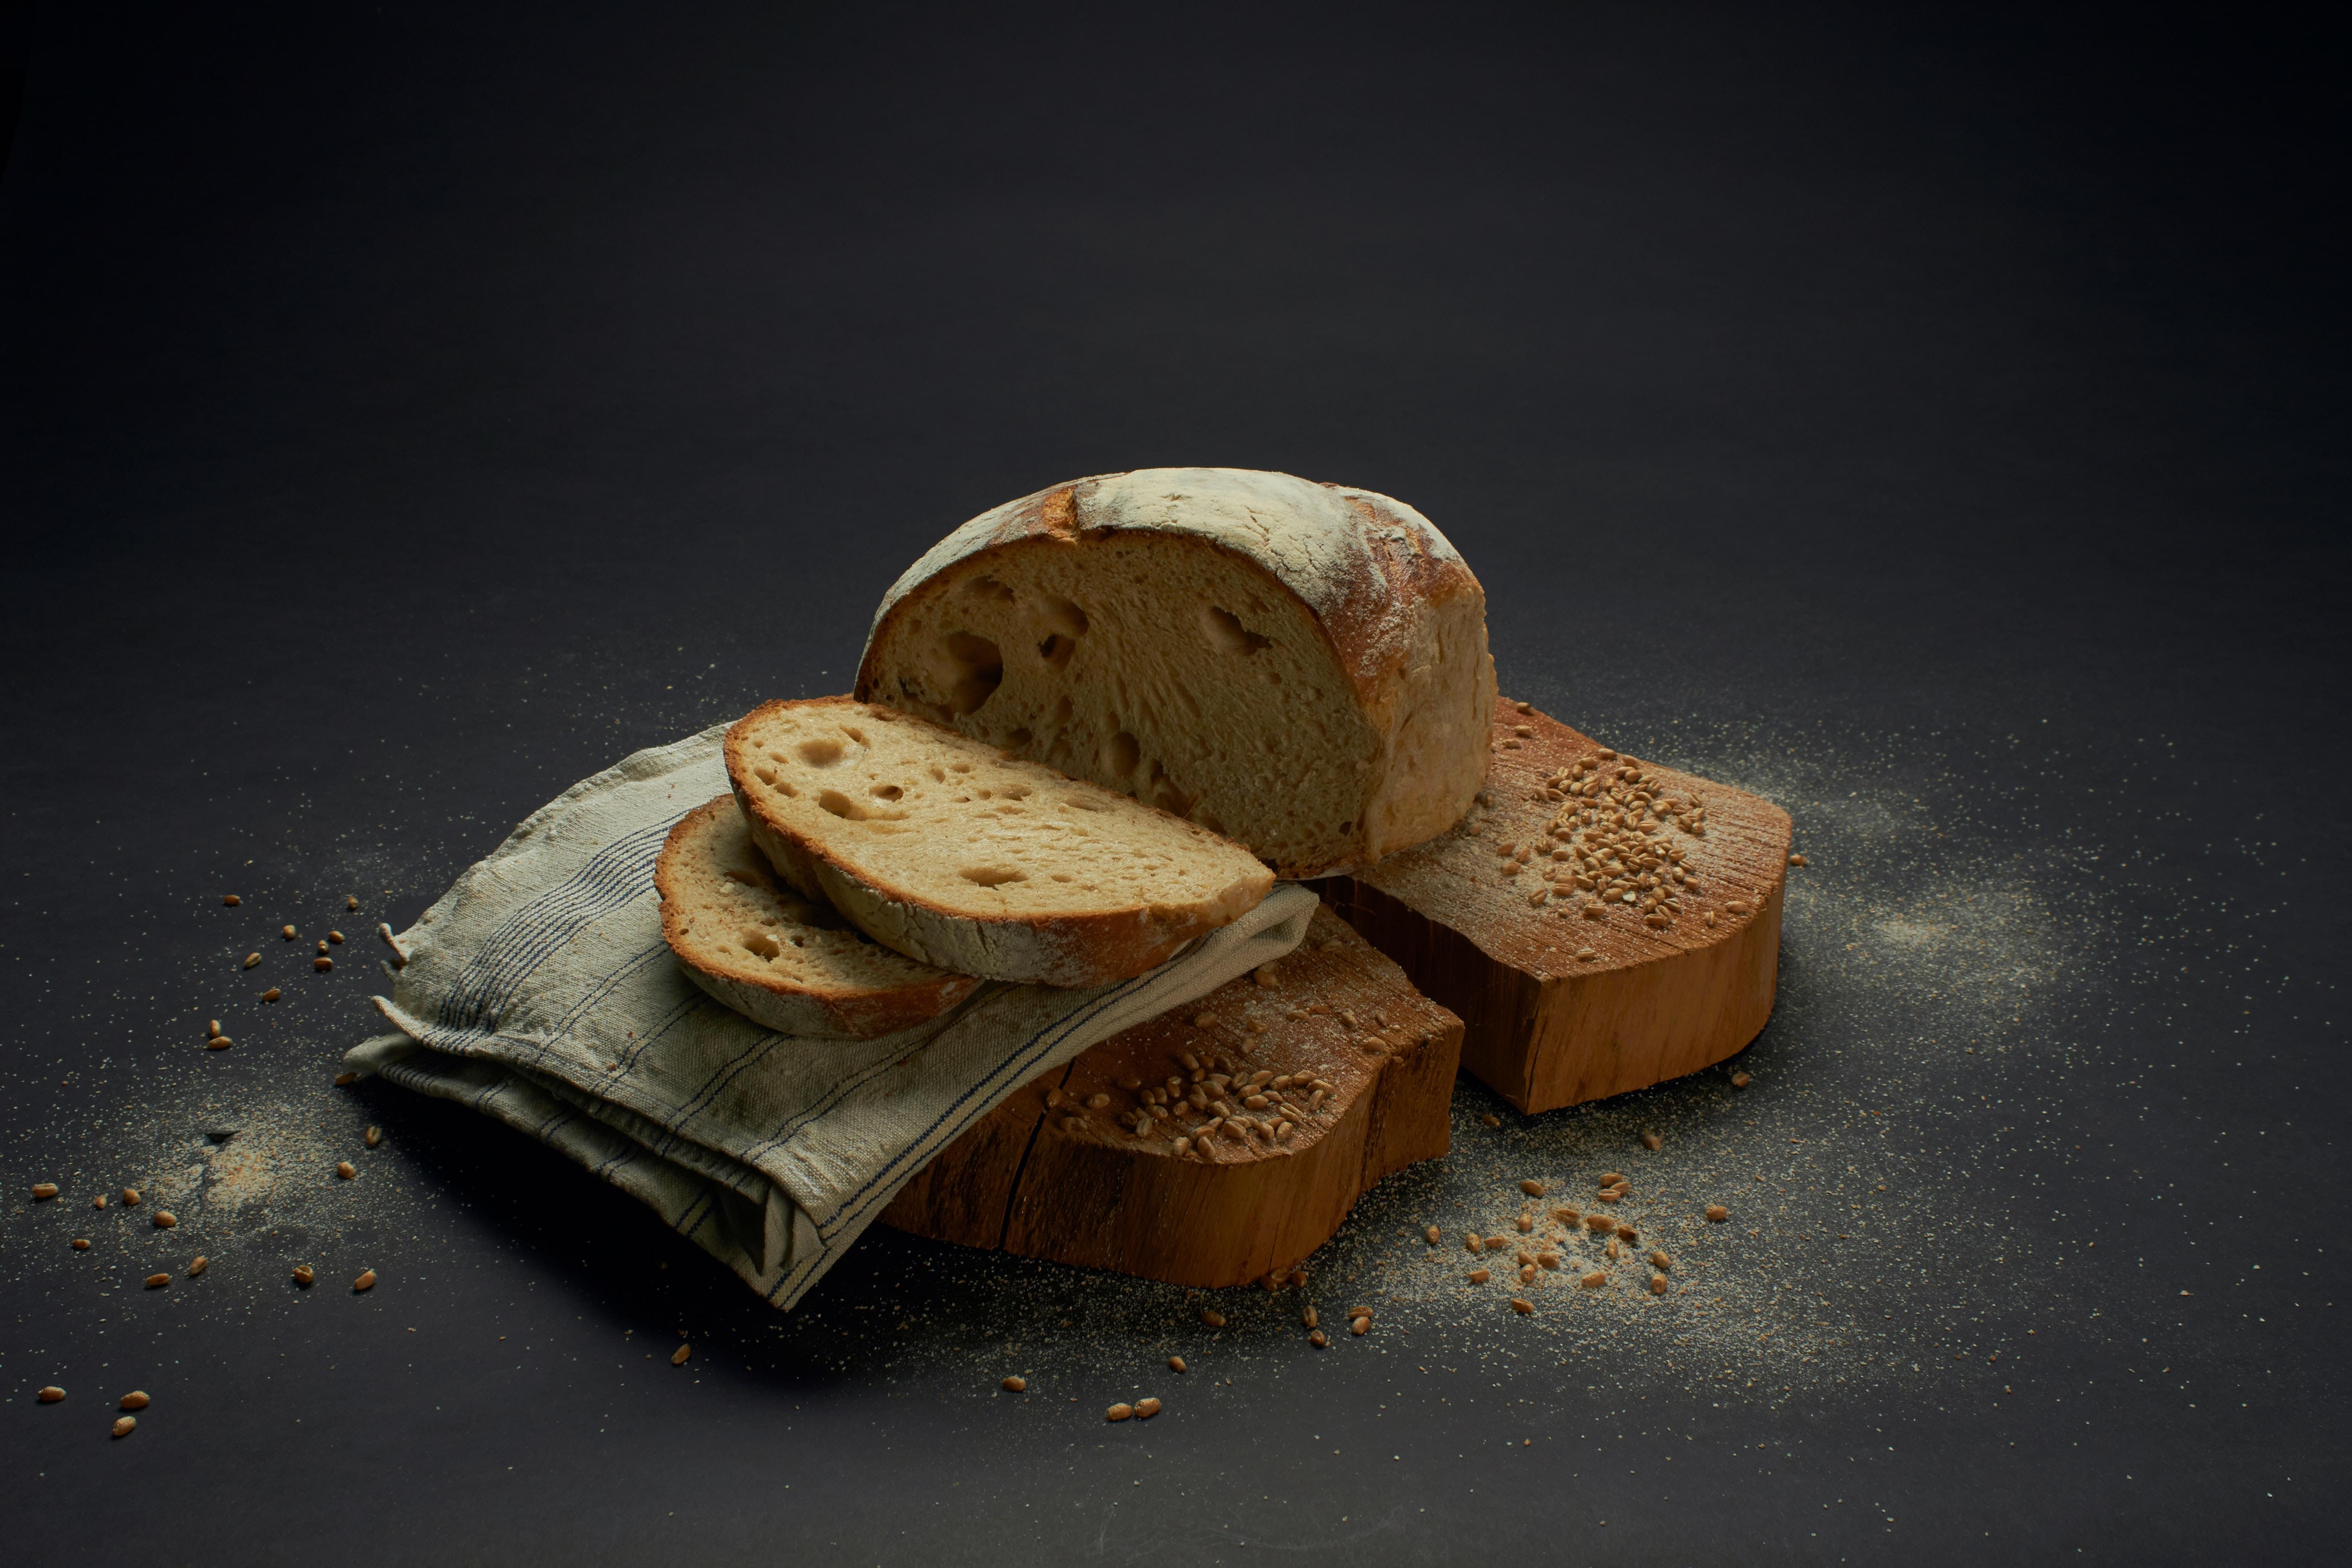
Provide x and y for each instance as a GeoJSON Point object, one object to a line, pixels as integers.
{"type": "Point", "coordinates": [1569, 992]}
{"type": "Point", "coordinates": [1060, 1170]}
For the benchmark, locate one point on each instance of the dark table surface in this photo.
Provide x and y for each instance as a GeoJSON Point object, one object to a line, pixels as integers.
{"type": "Point", "coordinates": [1936, 425]}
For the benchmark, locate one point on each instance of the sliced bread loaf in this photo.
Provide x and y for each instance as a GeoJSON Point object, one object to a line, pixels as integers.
{"type": "Point", "coordinates": [1301, 667]}
{"type": "Point", "coordinates": [773, 955]}
{"type": "Point", "coordinates": [941, 847]}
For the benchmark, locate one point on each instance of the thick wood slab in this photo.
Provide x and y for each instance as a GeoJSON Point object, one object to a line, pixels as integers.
{"type": "Point", "coordinates": [1051, 1175]}
{"type": "Point", "coordinates": [1660, 992]}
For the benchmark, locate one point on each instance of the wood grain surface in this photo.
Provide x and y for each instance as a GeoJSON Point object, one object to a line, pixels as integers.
{"type": "Point", "coordinates": [1565, 995]}
{"type": "Point", "coordinates": [1050, 1174]}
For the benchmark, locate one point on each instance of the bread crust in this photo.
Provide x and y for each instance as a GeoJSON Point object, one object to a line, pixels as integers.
{"type": "Point", "coordinates": [1386, 591]}
{"type": "Point", "coordinates": [1070, 950]}
{"type": "Point", "coordinates": [852, 1012]}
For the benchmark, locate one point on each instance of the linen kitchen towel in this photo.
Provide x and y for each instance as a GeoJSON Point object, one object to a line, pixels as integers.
{"type": "Point", "coordinates": [538, 990]}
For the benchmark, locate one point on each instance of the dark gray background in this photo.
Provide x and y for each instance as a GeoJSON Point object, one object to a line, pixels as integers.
{"type": "Point", "coordinates": [403, 415]}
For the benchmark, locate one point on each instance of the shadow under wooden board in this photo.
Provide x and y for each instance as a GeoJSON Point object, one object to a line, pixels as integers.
{"type": "Point", "coordinates": [1599, 923]}
{"type": "Point", "coordinates": [1338, 1073]}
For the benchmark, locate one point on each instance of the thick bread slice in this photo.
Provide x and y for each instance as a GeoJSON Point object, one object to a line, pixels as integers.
{"type": "Point", "coordinates": [1147, 1182]}
{"type": "Point", "coordinates": [771, 955]}
{"type": "Point", "coordinates": [1600, 924]}
{"type": "Point", "coordinates": [1300, 666]}
{"type": "Point", "coordinates": [943, 849]}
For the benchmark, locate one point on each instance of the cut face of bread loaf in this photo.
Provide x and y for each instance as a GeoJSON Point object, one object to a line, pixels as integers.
{"type": "Point", "coordinates": [773, 956]}
{"type": "Point", "coordinates": [1300, 666]}
{"type": "Point", "coordinates": [947, 850]}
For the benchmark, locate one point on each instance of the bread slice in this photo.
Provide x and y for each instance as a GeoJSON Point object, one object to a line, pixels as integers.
{"type": "Point", "coordinates": [773, 955]}
{"type": "Point", "coordinates": [1520, 920]}
{"type": "Point", "coordinates": [1300, 666]}
{"type": "Point", "coordinates": [941, 847]}
{"type": "Point", "coordinates": [1353, 1070]}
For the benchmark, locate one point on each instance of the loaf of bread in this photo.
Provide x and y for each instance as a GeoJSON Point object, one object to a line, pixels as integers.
{"type": "Point", "coordinates": [943, 849]}
{"type": "Point", "coordinates": [1299, 666]}
{"type": "Point", "coordinates": [773, 956]}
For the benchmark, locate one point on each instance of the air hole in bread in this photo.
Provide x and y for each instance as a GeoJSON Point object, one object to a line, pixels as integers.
{"type": "Point", "coordinates": [987, 587]}
{"type": "Point", "coordinates": [1080, 802]}
{"type": "Point", "coordinates": [821, 750]}
{"type": "Point", "coordinates": [1121, 755]}
{"type": "Point", "coordinates": [1227, 635]}
{"type": "Point", "coordinates": [993, 876]}
{"type": "Point", "coordinates": [1063, 615]}
{"type": "Point", "coordinates": [763, 944]}
{"type": "Point", "coordinates": [1057, 649]}
{"type": "Point", "coordinates": [886, 792]}
{"type": "Point", "coordinates": [848, 810]}
{"type": "Point", "coordinates": [1017, 740]}
{"type": "Point", "coordinates": [973, 670]}
{"type": "Point", "coordinates": [764, 771]}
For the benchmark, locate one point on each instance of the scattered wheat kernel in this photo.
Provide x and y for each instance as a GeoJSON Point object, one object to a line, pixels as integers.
{"type": "Point", "coordinates": [1652, 1141]}
{"type": "Point", "coordinates": [99, 1202]}
{"type": "Point", "coordinates": [1522, 1306]}
{"type": "Point", "coordinates": [372, 1136]}
{"type": "Point", "coordinates": [1431, 1236]}
{"type": "Point", "coordinates": [1627, 1233]}
{"type": "Point", "coordinates": [322, 944]}
{"type": "Point", "coordinates": [1567, 1216]}
{"type": "Point", "coordinates": [1657, 1284]}
{"type": "Point", "coordinates": [1796, 859]}
{"type": "Point", "coordinates": [1532, 1187]}
{"type": "Point", "coordinates": [130, 1197]}
{"type": "Point", "coordinates": [1480, 1276]}
{"type": "Point", "coordinates": [1659, 1260]}
{"type": "Point", "coordinates": [1175, 1363]}
{"type": "Point", "coordinates": [136, 1400]}
{"type": "Point", "coordinates": [1598, 1222]}
{"type": "Point", "coordinates": [1145, 1409]}
{"type": "Point", "coordinates": [165, 1219]}
{"type": "Point", "coordinates": [218, 1043]}
{"type": "Point", "coordinates": [1119, 1412]}
{"type": "Point", "coordinates": [350, 902]}
{"type": "Point", "coordinates": [1586, 955]}
{"type": "Point", "coordinates": [1739, 1080]}
{"type": "Point", "coordinates": [1594, 1280]}
{"type": "Point", "coordinates": [346, 1170]}
{"type": "Point", "coordinates": [1718, 1213]}
{"type": "Point", "coordinates": [336, 937]}
{"type": "Point", "coordinates": [345, 1080]}
{"type": "Point", "coordinates": [1613, 1195]}
{"type": "Point", "coordinates": [157, 1281]}
{"type": "Point", "coordinates": [1014, 1385]}
{"type": "Point", "coordinates": [1318, 1339]}
{"type": "Point", "coordinates": [125, 1425]}
{"type": "Point", "coordinates": [302, 1275]}
{"type": "Point", "coordinates": [51, 1395]}
{"type": "Point", "coordinates": [1476, 1242]}
{"type": "Point", "coordinates": [1360, 1325]}
{"type": "Point", "coordinates": [1497, 1244]}
{"type": "Point", "coordinates": [286, 932]}
{"type": "Point", "coordinates": [366, 1281]}
{"type": "Point", "coordinates": [252, 958]}
{"type": "Point", "coordinates": [272, 994]}
{"type": "Point", "coordinates": [322, 964]}
{"type": "Point", "coordinates": [199, 1265]}
{"type": "Point", "coordinates": [1298, 1279]}
{"type": "Point", "coordinates": [1205, 1020]}
{"type": "Point", "coordinates": [231, 899]}
{"type": "Point", "coordinates": [1547, 1259]}
{"type": "Point", "coordinates": [1491, 1119]}
{"type": "Point", "coordinates": [1211, 1317]}
{"type": "Point", "coordinates": [1612, 1249]}
{"type": "Point", "coordinates": [678, 1356]}
{"type": "Point", "coordinates": [81, 1244]}
{"type": "Point", "coordinates": [1528, 1274]}
{"type": "Point", "coordinates": [1097, 1101]}
{"type": "Point", "coordinates": [44, 1191]}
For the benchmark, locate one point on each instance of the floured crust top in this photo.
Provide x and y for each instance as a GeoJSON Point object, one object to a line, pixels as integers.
{"type": "Point", "coordinates": [1365, 563]}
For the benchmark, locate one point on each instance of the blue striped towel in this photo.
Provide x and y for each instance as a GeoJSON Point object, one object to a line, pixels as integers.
{"type": "Point", "coordinates": [538, 990]}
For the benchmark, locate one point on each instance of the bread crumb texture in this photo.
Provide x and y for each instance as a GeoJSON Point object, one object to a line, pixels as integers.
{"type": "Point", "coordinates": [1302, 666]}
{"type": "Point", "coordinates": [941, 847]}
{"type": "Point", "coordinates": [761, 948]}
